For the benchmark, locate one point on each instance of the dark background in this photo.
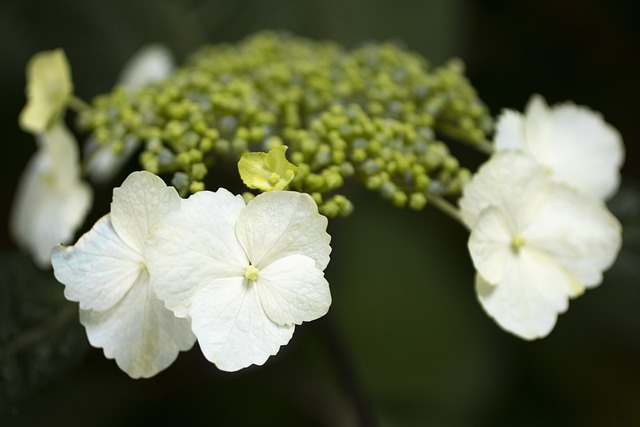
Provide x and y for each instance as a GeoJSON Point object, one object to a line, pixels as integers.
{"type": "Point", "coordinates": [405, 343]}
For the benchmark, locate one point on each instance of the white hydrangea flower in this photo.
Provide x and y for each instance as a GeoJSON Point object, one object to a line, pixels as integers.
{"type": "Point", "coordinates": [535, 243]}
{"type": "Point", "coordinates": [51, 201]}
{"type": "Point", "coordinates": [150, 64]}
{"type": "Point", "coordinates": [106, 272]}
{"type": "Point", "coordinates": [574, 144]}
{"type": "Point", "coordinates": [244, 274]}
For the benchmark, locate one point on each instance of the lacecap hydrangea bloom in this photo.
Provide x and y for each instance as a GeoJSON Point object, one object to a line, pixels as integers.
{"type": "Point", "coordinates": [51, 200]}
{"type": "Point", "coordinates": [245, 274]}
{"type": "Point", "coordinates": [573, 143]}
{"type": "Point", "coordinates": [106, 272]}
{"type": "Point", "coordinates": [535, 242]}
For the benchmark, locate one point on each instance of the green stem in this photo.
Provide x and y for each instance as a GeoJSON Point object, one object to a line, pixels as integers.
{"type": "Point", "coordinates": [77, 104]}
{"type": "Point", "coordinates": [483, 146]}
{"type": "Point", "coordinates": [446, 207]}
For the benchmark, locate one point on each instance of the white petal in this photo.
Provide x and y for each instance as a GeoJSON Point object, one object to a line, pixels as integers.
{"type": "Point", "coordinates": [577, 231]}
{"type": "Point", "coordinates": [574, 144]}
{"type": "Point", "coordinates": [511, 180]}
{"type": "Point", "coordinates": [527, 301]}
{"type": "Point", "coordinates": [150, 64]}
{"type": "Point", "coordinates": [193, 246]}
{"type": "Point", "coordinates": [509, 131]}
{"type": "Point", "coordinates": [51, 201]}
{"type": "Point", "coordinates": [586, 153]}
{"type": "Point", "coordinates": [489, 244]}
{"type": "Point", "coordinates": [138, 332]}
{"type": "Point", "coordinates": [138, 204]}
{"type": "Point", "coordinates": [232, 328]}
{"type": "Point", "coordinates": [293, 290]}
{"type": "Point", "coordinates": [99, 269]}
{"type": "Point", "coordinates": [102, 163]}
{"type": "Point", "coordinates": [281, 223]}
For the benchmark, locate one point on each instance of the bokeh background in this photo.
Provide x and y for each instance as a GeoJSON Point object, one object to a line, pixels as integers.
{"type": "Point", "coordinates": [405, 343]}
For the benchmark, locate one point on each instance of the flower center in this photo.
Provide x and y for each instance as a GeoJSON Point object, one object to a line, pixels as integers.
{"type": "Point", "coordinates": [274, 178]}
{"type": "Point", "coordinates": [517, 242]}
{"type": "Point", "coordinates": [251, 272]}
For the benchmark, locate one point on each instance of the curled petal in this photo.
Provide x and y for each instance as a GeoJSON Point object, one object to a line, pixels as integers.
{"type": "Point", "coordinates": [49, 87]}
{"type": "Point", "coordinates": [267, 171]}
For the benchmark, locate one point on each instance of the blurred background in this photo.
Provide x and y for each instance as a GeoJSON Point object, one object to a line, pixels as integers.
{"type": "Point", "coordinates": [405, 342]}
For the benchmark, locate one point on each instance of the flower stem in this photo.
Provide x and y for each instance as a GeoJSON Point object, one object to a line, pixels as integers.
{"type": "Point", "coordinates": [78, 104]}
{"type": "Point", "coordinates": [446, 207]}
{"type": "Point", "coordinates": [347, 372]}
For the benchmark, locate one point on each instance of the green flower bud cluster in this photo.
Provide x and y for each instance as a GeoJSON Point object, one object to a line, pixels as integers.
{"type": "Point", "coordinates": [375, 115]}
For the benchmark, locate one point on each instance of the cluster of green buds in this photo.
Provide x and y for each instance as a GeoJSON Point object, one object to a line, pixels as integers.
{"type": "Point", "coordinates": [378, 115]}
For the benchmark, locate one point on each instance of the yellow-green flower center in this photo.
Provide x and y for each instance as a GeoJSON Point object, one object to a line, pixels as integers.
{"type": "Point", "coordinates": [251, 272]}
{"type": "Point", "coordinates": [517, 242]}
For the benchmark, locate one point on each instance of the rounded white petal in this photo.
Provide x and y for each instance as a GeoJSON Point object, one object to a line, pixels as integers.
{"type": "Point", "coordinates": [526, 302]}
{"type": "Point", "coordinates": [232, 327]}
{"type": "Point", "coordinates": [573, 143]}
{"type": "Point", "coordinates": [193, 246]}
{"type": "Point", "coordinates": [281, 223]}
{"type": "Point", "coordinates": [512, 180]}
{"type": "Point", "coordinates": [489, 244]}
{"type": "Point", "coordinates": [509, 131]}
{"type": "Point", "coordinates": [150, 64]}
{"type": "Point", "coordinates": [138, 332]}
{"type": "Point", "coordinates": [578, 232]}
{"type": "Point", "coordinates": [141, 200]}
{"type": "Point", "coordinates": [293, 290]}
{"type": "Point", "coordinates": [99, 269]}
{"type": "Point", "coordinates": [587, 152]}
{"type": "Point", "coordinates": [51, 201]}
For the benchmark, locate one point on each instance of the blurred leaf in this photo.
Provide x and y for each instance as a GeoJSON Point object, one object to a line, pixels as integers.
{"type": "Point", "coordinates": [39, 334]}
{"type": "Point", "coordinates": [404, 299]}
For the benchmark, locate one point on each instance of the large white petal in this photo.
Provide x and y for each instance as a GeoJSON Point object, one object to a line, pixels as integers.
{"type": "Point", "coordinates": [141, 200]}
{"type": "Point", "coordinates": [281, 223]}
{"type": "Point", "coordinates": [526, 302]}
{"type": "Point", "coordinates": [193, 246]}
{"type": "Point", "coordinates": [574, 144]}
{"type": "Point", "coordinates": [293, 290]}
{"type": "Point", "coordinates": [99, 269]}
{"type": "Point", "coordinates": [511, 180]}
{"type": "Point", "coordinates": [577, 231]}
{"type": "Point", "coordinates": [490, 244]}
{"type": "Point", "coordinates": [139, 332]}
{"type": "Point", "coordinates": [233, 329]}
{"type": "Point", "coordinates": [586, 153]}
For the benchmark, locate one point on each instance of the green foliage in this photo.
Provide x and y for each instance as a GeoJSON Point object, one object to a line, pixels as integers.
{"type": "Point", "coordinates": [375, 114]}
